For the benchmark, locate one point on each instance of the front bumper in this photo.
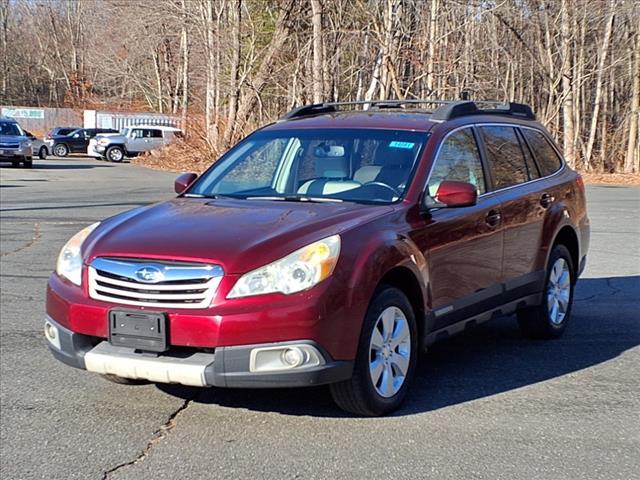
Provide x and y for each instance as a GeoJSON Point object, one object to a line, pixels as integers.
{"type": "Point", "coordinates": [93, 150]}
{"type": "Point", "coordinates": [15, 152]}
{"type": "Point", "coordinates": [224, 367]}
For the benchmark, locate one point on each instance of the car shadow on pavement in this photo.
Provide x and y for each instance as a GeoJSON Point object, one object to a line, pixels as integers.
{"type": "Point", "coordinates": [68, 166]}
{"type": "Point", "coordinates": [489, 359]}
{"type": "Point", "coordinates": [58, 166]}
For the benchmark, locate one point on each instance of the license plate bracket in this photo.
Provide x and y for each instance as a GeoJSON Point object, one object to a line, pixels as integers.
{"type": "Point", "coordinates": [146, 331]}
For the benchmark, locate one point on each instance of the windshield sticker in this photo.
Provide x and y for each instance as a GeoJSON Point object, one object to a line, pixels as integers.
{"type": "Point", "coordinates": [396, 144]}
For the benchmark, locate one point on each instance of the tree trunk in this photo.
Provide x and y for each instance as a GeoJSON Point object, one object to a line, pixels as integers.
{"type": "Point", "coordinates": [318, 58]}
{"type": "Point", "coordinates": [4, 24]}
{"type": "Point", "coordinates": [234, 86]}
{"type": "Point", "coordinates": [209, 34]}
{"type": "Point", "coordinates": [185, 67]}
{"type": "Point", "coordinates": [632, 158]}
{"type": "Point", "coordinates": [433, 25]}
{"type": "Point", "coordinates": [568, 125]}
{"type": "Point", "coordinates": [598, 100]}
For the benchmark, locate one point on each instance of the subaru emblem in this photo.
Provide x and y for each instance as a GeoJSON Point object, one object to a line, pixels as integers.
{"type": "Point", "coordinates": [149, 274]}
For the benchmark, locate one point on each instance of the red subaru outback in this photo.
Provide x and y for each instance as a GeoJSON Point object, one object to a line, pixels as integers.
{"type": "Point", "coordinates": [330, 247]}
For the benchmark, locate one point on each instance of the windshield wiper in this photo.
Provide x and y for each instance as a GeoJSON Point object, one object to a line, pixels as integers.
{"type": "Point", "coordinates": [212, 196]}
{"type": "Point", "coordinates": [297, 198]}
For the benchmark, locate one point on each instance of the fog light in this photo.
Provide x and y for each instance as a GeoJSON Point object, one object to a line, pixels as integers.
{"type": "Point", "coordinates": [284, 357]}
{"type": "Point", "coordinates": [293, 357]}
{"type": "Point", "coordinates": [51, 333]}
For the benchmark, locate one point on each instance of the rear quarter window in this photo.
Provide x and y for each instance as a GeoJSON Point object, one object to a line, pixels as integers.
{"type": "Point", "coordinates": [506, 159]}
{"type": "Point", "coordinates": [548, 160]}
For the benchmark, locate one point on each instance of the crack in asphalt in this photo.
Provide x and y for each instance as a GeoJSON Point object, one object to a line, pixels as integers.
{"type": "Point", "coordinates": [37, 234]}
{"type": "Point", "coordinates": [156, 437]}
{"type": "Point", "coordinates": [614, 291]}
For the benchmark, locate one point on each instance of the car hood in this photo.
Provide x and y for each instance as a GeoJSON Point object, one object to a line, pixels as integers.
{"type": "Point", "coordinates": [239, 235]}
{"type": "Point", "coordinates": [13, 138]}
{"type": "Point", "coordinates": [114, 137]}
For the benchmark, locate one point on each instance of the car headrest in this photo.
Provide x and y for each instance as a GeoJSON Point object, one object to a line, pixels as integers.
{"type": "Point", "coordinates": [330, 161]}
{"type": "Point", "coordinates": [336, 167]}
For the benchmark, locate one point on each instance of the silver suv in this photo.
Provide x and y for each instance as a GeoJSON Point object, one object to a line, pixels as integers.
{"type": "Point", "coordinates": [132, 141]}
{"type": "Point", "coordinates": [15, 145]}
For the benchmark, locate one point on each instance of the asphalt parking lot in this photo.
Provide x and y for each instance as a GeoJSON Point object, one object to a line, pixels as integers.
{"type": "Point", "coordinates": [488, 404]}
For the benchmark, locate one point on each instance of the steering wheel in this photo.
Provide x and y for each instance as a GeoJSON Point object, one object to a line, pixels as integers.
{"type": "Point", "coordinates": [380, 184]}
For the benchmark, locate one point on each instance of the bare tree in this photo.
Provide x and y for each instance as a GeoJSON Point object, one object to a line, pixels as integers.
{"type": "Point", "coordinates": [318, 53]}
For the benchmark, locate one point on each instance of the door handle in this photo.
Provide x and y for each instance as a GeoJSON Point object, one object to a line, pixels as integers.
{"type": "Point", "coordinates": [546, 200]}
{"type": "Point", "coordinates": [493, 218]}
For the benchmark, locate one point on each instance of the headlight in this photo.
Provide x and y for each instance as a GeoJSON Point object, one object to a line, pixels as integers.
{"type": "Point", "coordinates": [25, 144]}
{"type": "Point", "coordinates": [297, 271]}
{"type": "Point", "coordinates": [70, 260]}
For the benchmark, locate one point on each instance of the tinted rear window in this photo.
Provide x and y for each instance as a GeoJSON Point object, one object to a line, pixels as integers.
{"type": "Point", "coordinates": [506, 159]}
{"type": "Point", "coordinates": [548, 160]}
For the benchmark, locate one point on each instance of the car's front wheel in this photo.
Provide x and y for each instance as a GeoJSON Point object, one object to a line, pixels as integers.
{"type": "Point", "coordinates": [28, 162]}
{"type": "Point", "coordinates": [42, 153]}
{"type": "Point", "coordinates": [550, 318]}
{"type": "Point", "coordinates": [386, 358]}
{"type": "Point", "coordinates": [60, 150]}
{"type": "Point", "coordinates": [115, 154]}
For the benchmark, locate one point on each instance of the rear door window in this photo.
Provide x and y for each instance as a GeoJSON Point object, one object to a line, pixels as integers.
{"type": "Point", "coordinates": [153, 133]}
{"type": "Point", "coordinates": [506, 158]}
{"type": "Point", "coordinates": [459, 160]}
{"type": "Point", "coordinates": [548, 159]}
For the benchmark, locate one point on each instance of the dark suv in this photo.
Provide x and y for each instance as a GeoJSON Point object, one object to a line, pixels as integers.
{"type": "Point", "coordinates": [330, 247]}
{"type": "Point", "coordinates": [76, 141]}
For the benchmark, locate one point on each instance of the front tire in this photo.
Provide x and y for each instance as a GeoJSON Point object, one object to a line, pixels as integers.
{"type": "Point", "coordinates": [115, 154]}
{"type": "Point", "coordinates": [550, 318]}
{"type": "Point", "coordinates": [386, 357]}
{"type": "Point", "coordinates": [42, 153]}
{"type": "Point", "coordinates": [28, 162]}
{"type": "Point", "coordinates": [60, 150]}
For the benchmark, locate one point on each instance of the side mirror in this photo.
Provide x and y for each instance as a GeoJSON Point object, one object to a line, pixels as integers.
{"type": "Point", "coordinates": [453, 194]}
{"type": "Point", "coordinates": [76, 135]}
{"type": "Point", "coordinates": [29, 135]}
{"type": "Point", "coordinates": [183, 182]}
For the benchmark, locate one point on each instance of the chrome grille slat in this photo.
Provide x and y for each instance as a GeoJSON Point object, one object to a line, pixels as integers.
{"type": "Point", "coordinates": [179, 285]}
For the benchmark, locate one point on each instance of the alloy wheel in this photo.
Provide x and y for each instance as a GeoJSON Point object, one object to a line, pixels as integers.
{"type": "Point", "coordinates": [390, 352]}
{"type": "Point", "coordinates": [558, 291]}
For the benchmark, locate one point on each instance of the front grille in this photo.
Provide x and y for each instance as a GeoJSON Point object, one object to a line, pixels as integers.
{"type": "Point", "coordinates": [153, 283]}
{"type": "Point", "coordinates": [9, 145]}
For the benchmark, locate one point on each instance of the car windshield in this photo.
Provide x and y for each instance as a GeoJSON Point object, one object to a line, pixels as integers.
{"type": "Point", "coordinates": [11, 129]}
{"type": "Point", "coordinates": [358, 165]}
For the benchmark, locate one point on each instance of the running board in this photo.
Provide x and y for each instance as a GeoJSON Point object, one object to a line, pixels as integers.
{"type": "Point", "coordinates": [470, 322]}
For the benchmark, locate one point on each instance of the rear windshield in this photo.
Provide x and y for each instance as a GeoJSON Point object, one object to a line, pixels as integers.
{"type": "Point", "coordinates": [358, 165]}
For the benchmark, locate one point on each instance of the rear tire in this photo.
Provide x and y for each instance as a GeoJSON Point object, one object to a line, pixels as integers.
{"type": "Point", "coordinates": [115, 154]}
{"type": "Point", "coordinates": [550, 318]}
{"type": "Point", "coordinates": [60, 150]}
{"type": "Point", "coordinates": [123, 381]}
{"type": "Point", "coordinates": [386, 358]}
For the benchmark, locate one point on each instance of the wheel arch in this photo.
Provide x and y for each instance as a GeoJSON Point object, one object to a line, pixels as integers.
{"type": "Point", "coordinates": [568, 237]}
{"type": "Point", "coordinates": [405, 280]}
